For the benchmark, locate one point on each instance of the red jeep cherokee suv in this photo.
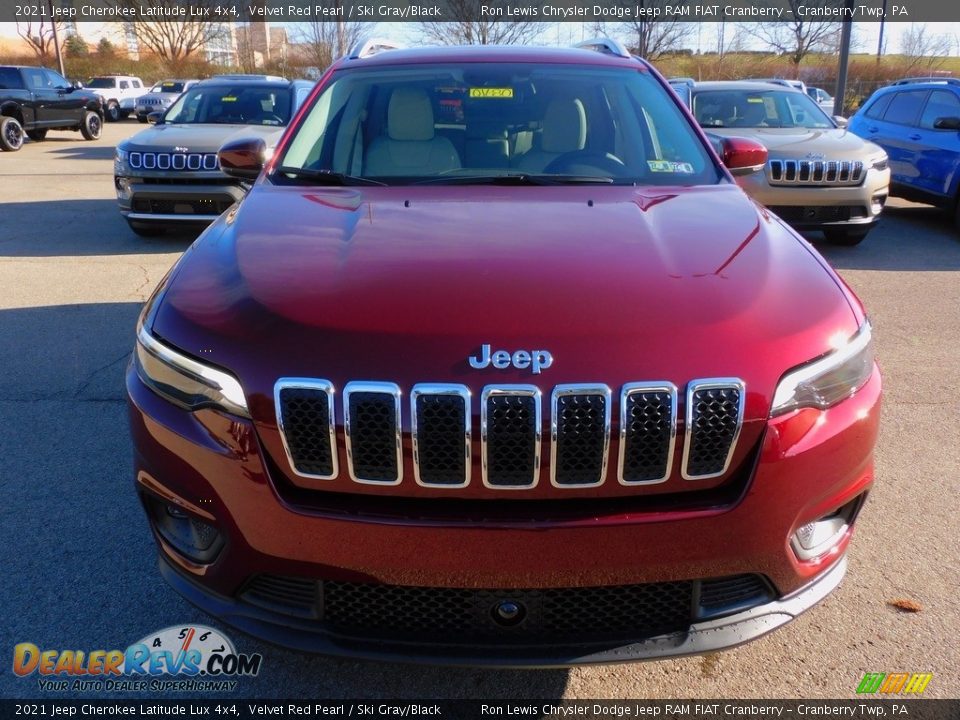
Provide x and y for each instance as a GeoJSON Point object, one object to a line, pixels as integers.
{"type": "Point", "coordinates": [496, 364]}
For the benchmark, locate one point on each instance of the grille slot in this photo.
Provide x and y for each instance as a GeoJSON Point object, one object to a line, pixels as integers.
{"type": "Point", "coordinates": [815, 172]}
{"type": "Point", "coordinates": [580, 434]}
{"type": "Point", "coordinates": [305, 419]}
{"type": "Point", "coordinates": [510, 422]}
{"type": "Point", "coordinates": [454, 615]}
{"type": "Point", "coordinates": [371, 421]}
{"type": "Point", "coordinates": [441, 435]}
{"type": "Point", "coordinates": [648, 428]}
{"type": "Point", "coordinates": [713, 420]}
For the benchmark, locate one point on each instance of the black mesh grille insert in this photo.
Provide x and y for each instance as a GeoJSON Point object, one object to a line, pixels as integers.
{"type": "Point", "coordinates": [458, 615]}
{"type": "Point", "coordinates": [581, 439]}
{"type": "Point", "coordinates": [648, 425]}
{"type": "Point", "coordinates": [714, 417]}
{"type": "Point", "coordinates": [373, 436]}
{"type": "Point", "coordinates": [306, 426]}
{"type": "Point", "coordinates": [511, 440]}
{"type": "Point", "coordinates": [733, 592]}
{"type": "Point", "coordinates": [441, 432]}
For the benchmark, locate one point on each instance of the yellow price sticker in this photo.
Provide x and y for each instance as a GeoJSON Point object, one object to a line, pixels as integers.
{"type": "Point", "coordinates": [491, 92]}
{"type": "Point", "coordinates": [228, 98]}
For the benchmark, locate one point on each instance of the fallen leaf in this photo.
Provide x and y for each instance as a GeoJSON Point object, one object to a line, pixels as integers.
{"type": "Point", "coordinates": [905, 605]}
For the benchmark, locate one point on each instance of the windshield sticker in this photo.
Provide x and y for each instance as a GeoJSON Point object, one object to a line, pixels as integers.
{"type": "Point", "coordinates": [487, 92]}
{"type": "Point", "coordinates": [167, 84]}
{"type": "Point", "coordinates": [755, 100]}
{"type": "Point", "coordinates": [229, 98]}
{"type": "Point", "coordinates": [669, 166]}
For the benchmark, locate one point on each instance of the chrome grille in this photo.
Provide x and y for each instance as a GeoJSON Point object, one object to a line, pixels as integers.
{"type": "Point", "coordinates": [510, 422]}
{"type": "Point", "coordinates": [580, 434]}
{"type": "Point", "coordinates": [440, 428]}
{"type": "Point", "coordinates": [371, 423]}
{"type": "Point", "coordinates": [815, 172]}
{"type": "Point", "coordinates": [713, 422]}
{"type": "Point", "coordinates": [173, 161]}
{"type": "Point", "coordinates": [510, 432]}
{"type": "Point", "coordinates": [648, 429]}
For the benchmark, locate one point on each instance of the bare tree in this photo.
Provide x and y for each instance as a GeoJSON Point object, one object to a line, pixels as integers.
{"type": "Point", "coordinates": [174, 41]}
{"type": "Point", "coordinates": [323, 42]}
{"type": "Point", "coordinates": [650, 38]}
{"type": "Point", "coordinates": [466, 29]}
{"type": "Point", "coordinates": [797, 37]}
{"type": "Point", "coordinates": [924, 50]}
{"type": "Point", "coordinates": [39, 36]}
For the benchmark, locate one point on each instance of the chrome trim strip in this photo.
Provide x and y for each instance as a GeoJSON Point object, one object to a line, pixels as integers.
{"type": "Point", "coordinates": [710, 384]}
{"type": "Point", "coordinates": [578, 389]}
{"type": "Point", "coordinates": [519, 391]}
{"type": "Point", "coordinates": [160, 216]}
{"type": "Point", "coordinates": [384, 388]}
{"type": "Point", "coordinates": [829, 173]}
{"type": "Point", "coordinates": [636, 389]}
{"type": "Point", "coordinates": [179, 161]}
{"type": "Point", "coordinates": [426, 389]}
{"type": "Point", "coordinates": [326, 387]}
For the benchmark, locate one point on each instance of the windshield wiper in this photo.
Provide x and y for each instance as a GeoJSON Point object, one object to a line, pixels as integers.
{"type": "Point", "coordinates": [326, 177]}
{"type": "Point", "coordinates": [515, 179]}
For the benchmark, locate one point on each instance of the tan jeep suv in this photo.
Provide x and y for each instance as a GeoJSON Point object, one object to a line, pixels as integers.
{"type": "Point", "coordinates": [818, 176]}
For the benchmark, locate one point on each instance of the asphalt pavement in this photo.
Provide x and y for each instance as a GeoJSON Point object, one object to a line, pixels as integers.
{"type": "Point", "coordinates": [79, 564]}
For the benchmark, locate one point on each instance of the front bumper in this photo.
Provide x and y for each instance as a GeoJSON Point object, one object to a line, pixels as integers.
{"type": "Point", "coordinates": [212, 468]}
{"type": "Point", "coordinates": [817, 207]}
{"type": "Point", "coordinates": [172, 203]}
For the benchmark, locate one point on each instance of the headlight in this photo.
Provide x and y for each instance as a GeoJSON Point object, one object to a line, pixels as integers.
{"type": "Point", "coordinates": [184, 381]}
{"type": "Point", "coordinates": [121, 156]}
{"type": "Point", "coordinates": [880, 163]}
{"type": "Point", "coordinates": [826, 381]}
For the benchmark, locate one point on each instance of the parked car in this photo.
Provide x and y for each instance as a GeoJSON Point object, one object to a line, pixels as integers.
{"type": "Point", "coordinates": [119, 93]}
{"type": "Point", "coordinates": [167, 176]}
{"type": "Point", "coordinates": [537, 386]}
{"type": "Point", "coordinates": [160, 97]}
{"type": "Point", "coordinates": [785, 82]}
{"type": "Point", "coordinates": [822, 98]}
{"type": "Point", "coordinates": [818, 176]}
{"type": "Point", "coordinates": [917, 122]}
{"type": "Point", "coordinates": [34, 100]}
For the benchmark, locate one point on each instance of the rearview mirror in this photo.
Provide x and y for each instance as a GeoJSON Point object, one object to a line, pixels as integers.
{"type": "Point", "coordinates": [243, 159]}
{"type": "Point", "coordinates": [742, 156]}
{"type": "Point", "coordinates": [947, 123]}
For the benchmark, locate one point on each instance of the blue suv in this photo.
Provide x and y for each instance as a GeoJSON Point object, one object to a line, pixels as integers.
{"type": "Point", "coordinates": [917, 121]}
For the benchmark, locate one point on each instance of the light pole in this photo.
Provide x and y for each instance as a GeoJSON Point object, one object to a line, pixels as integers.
{"type": "Point", "coordinates": [841, 90]}
{"type": "Point", "coordinates": [56, 40]}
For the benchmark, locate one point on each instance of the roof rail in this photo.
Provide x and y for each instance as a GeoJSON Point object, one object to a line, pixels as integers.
{"type": "Point", "coordinates": [372, 46]}
{"type": "Point", "coordinates": [606, 46]}
{"type": "Point", "coordinates": [908, 81]}
{"type": "Point", "coordinates": [245, 76]}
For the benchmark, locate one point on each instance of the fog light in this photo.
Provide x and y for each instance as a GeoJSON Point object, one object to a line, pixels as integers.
{"type": "Point", "coordinates": [820, 536]}
{"type": "Point", "coordinates": [123, 188]}
{"type": "Point", "coordinates": [877, 202]}
{"type": "Point", "coordinates": [193, 538]}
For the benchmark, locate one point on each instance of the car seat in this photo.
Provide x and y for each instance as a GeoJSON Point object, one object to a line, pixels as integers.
{"type": "Point", "coordinates": [564, 130]}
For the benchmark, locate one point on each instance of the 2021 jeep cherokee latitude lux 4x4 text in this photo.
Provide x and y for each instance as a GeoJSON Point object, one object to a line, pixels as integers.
{"type": "Point", "coordinates": [495, 363]}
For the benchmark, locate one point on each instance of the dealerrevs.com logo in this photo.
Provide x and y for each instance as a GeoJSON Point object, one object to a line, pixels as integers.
{"type": "Point", "coordinates": [183, 658]}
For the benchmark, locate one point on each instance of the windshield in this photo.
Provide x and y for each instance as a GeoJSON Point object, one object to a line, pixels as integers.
{"type": "Point", "coordinates": [471, 122]}
{"type": "Point", "coordinates": [232, 104]}
{"type": "Point", "coordinates": [168, 86]}
{"type": "Point", "coordinates": [102, 83]}
{"type": "Point", "coordinates": [757, 109]}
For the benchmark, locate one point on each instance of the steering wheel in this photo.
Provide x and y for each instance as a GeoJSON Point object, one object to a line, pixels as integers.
{"type": "Point", "coordinates": [602, 161]}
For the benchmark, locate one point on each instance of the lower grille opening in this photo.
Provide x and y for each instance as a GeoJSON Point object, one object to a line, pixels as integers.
{"type": "Point", "coordinates": [449, 616]}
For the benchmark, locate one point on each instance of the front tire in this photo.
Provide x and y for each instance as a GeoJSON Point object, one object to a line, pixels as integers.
{"type": "Point", "coordinates": [145, 229]}
{"type": "Point", "coordinates": [848, 236]}
{"type": "Point", "coordinates": [112, 111]}
{"type": "Point", "coordinates": [11, 134]}
{"type": "Point", "coordinates": [91, 126]}
{"type": "Point", "coordinates": [37, 135]}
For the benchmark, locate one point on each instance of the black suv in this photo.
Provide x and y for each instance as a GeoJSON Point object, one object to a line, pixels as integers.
{"type": "Point", "coordinates": [34, 100]}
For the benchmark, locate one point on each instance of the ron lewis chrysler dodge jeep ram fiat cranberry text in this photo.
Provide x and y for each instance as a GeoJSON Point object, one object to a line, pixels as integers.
{"type": "Point", "coordinates": [497, 364]}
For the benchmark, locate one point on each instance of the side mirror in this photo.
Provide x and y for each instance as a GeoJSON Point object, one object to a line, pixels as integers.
{"type": "Point", "coordinates": [947, 123]}
{"type": "Point", "coordinates": [155, 118]}
{"type": "Point", "coordinates": [76, 85]}
{"type": "Point", "coordinates": [243, 159]}
{"type": "Point", "coordinates": [841, 121]}
{"type": "Point", "coordinates": [742, 156]}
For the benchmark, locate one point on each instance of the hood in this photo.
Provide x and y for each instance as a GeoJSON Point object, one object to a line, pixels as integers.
{"type": "Point", "coordinates": [198, 138]}
{"type": "Point", "coordinates": [797, 143]}
{"type": "Point", "coordinates": [404, 284]}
